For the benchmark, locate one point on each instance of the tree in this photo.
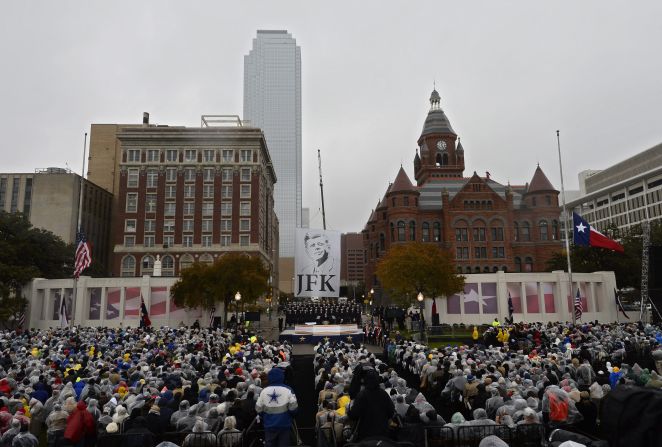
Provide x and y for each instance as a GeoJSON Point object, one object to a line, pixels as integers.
{"type": "Point", "coordinates": [408, 269]}
{"type": "Point", "coordinates": [203, 285]}
{"type": "Point", "coordinates": [26, 253]}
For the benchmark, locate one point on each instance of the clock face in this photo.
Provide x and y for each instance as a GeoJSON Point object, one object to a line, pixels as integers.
{"type": "Point", "coordinates": [441, 145]}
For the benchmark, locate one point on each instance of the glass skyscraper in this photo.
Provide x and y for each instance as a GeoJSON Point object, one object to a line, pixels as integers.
{"type": "Point", "coordinates": [272, 101]}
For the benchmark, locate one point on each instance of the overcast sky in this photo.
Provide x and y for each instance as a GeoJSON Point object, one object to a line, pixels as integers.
{"type": "Point", "coordinates": [509, 74]}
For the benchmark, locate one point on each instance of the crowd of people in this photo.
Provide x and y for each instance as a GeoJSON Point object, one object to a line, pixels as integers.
{"type": "Point", "coordinates": [323, 312]}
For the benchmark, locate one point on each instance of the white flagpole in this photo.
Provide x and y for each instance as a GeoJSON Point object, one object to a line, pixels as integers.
{"type": "Point", "coordinates": [80, 219]}
{"type": "Point", "coordinates": [565, 227]}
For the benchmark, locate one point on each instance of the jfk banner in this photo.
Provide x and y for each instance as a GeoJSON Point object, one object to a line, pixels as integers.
{"type": "Point", "coordinates": [317, 263]}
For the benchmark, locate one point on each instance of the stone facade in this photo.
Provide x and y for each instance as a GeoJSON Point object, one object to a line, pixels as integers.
{"type": "Point", "coordinates": [486, 226]}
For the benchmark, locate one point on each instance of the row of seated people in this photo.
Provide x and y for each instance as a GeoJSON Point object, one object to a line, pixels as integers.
{"type": "Point", "coordinates": [300, 313]}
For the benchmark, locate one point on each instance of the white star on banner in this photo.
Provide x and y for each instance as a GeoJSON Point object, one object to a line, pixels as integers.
{"type": "Point", "coordinates": [581, 227]}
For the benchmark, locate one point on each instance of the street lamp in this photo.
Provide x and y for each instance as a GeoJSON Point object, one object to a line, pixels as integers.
{"type": "Point", "coordinates": [419, 297]}
{"type": "Point", "coordinates": [237, 298]}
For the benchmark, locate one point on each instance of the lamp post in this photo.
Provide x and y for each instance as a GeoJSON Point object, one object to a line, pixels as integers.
{"type": "Point", "coordinates": [419, 297]}
{"type": "Point", "coordinates": [237, 298]}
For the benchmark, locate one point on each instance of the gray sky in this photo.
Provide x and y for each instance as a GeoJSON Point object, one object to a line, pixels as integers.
{"type": "Point", "coordinates": [509, 74]}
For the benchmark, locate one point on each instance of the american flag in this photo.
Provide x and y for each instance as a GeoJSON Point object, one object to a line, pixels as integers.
{"type": "Point", "coordinates": [83, 254]}
{"type": "Point", "coordinates": [21, 320]}
{"type": "Point", "coordinates": [578, 306]}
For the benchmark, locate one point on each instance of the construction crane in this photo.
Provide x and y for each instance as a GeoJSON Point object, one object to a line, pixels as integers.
{"type": "Point", "coordinates": [319, 161]}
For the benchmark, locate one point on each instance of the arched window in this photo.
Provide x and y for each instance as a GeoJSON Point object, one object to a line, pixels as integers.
{"type": "Point", "coordinates": [128, 266]}
{"type": "Point", "coordinates": [439, 161]}
{"type": "Point", "coordinates": [147, 265]}
{"type": "Point", "coordinates": [477, 269]}
{"type": "Point", "coordinates": [167, 266]}
{"type": "Point", "coordinates": [542, 227]}
{"type": "Point", "coordinates": [426, 232]}
{"type": "Point", "coordinates": [185, 262]}
{"type": "Point", "coordinates": [504, 269]}
{"type": "Point", "coordinates": [518, 264]}
{"type": "Point", "coordinates": [382, 242]}
{"type": "Point", "coordinates": [392, 232]}
{"type": "Point", "coordinates": [436, 231]}
{"type": "Point", "coordinates": [486, 269]}
{"type": "Point", "coordinates": [468, 269]}
{"type": "Point", "coordinates": [495, 269]}
{"type": "Point", "coordinates": [459, 269]}
{"type": "Point", "coordinates": [516, 228]}
{"type": "Point", "coordinates": [206, 259]}
{"type": "Point", "coordinates": [526, 232]}
{"type": "Point", "coordinates": [401, 231]}
{"type": "Point", "coordinates": [555, 230]}
{"type": "Point", "coordinates": [528, 264]}
{"type": "Point", "coordinates": [412, 230]}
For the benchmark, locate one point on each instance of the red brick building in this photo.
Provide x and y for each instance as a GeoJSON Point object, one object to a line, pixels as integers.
{"type": "Point", "coordinates": [485, 225]}
{"type": "Point", "coordinates": [191, 195]}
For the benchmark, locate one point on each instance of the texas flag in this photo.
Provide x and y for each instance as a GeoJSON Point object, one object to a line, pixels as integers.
{"type": "Point", "coordinates": [588, 236]}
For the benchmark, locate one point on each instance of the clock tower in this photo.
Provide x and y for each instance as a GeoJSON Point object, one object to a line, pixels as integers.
{"type": "Point", "coordinates": [440, 153]}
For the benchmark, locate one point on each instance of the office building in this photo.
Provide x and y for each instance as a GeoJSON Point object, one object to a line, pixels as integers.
{"type": "Point", "coordinates": [272, 102]}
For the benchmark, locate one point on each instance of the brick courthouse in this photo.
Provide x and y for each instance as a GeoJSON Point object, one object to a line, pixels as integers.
{"type": "Point", "coordinates": [485, 225]}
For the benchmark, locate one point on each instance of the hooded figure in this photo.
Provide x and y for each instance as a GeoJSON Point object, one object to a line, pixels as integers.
{"type": "Point", "coordinates": [276, 405]}
{"type": "Point", "coordinates": [373, 408]}
{"type": "Point", "coordinates": [177, 415]}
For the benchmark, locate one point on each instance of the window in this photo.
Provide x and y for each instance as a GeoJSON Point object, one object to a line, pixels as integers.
{"type": "Point", "coordinates": [129, 241]}
{"type": "Point", "coordinates": [533, 201]}
{"type": "Point", "coordinates": [226, 175]}
{"type": "Point", "coordinates": [516, 231]}
{"type": "Point", "coordinates": [548, 200]}
{"type": "Point", "coordinates": [244, 225]}
{"type": "Point", "coordinates": [436, 232]}
{"type": "Point", "coordinates": [147, 265]}
{"type": "Point", "coordinates": [497, 234]}
{"type": "Point", "coordinates": [148, 240]}
{"type": "Point", "coordinates": [131, 202]}
{"type": "Point", "coordinates": [526, 232]}
{"type": "Point", "coordinates": [133, 155]}
{"type": "Point", "coordinates": [187, 225]}
{"type": "Point", "coordinates": [412, 230]}
{"type": "Point", "coordinates": [169, 208]}
{"type": "Point", "coordinates": [185, 262]}
{"type": "Point", "coordinates": [189, 208]}
{"type": "Point", "coordinates": [171, 174]}
{"type": "Point", "coordinates": [27, 197]}
{"type": "Point", "coordinates": [244, 240]}
{"type": "Point", "coordinates": [167, 266]}
{"type": "Point", "coordinates": [171, 192]}
{"type": "Point", "coordinates": [392, 232]}
{"type": "Point", "coordinates": [207, 208]}
{"type": "Point", "coordinates": [150, 225]}
{"type": "Point", "coordinates": [393, 201]}
{"type": "Point", "coordinates": [245, 192]}
{"type": "Point", "coordinates": [172, 155]}
{"type": "Point", "coordinates": [225, 241]}
{"type": "Point", "coordinates": [153, 155]}
{"type": "Point", "coordinates": [208, 174]}
{"type": "Point", "coordinates": [226, 191]}
{"type": "Point", "coordinates": [555, 230]}
{"type": "Point", "coordinates": [245, 209]}
{"type": "Point", "coordinates": [207, 225]}
{"type": "Point", "coordinates": [498, 252]}
{"type": "Point", "coordinates": [479, 234]}
{"type": "Point", "coordinates": [189, 191]}
{"type": "Point", "coordinates": [168, 241]}
{"type": "Point", "coordinates": [226, 225]}
{"type": "Point", "coordinates": [130, 226]}
{"type": "Point", "coordinates": [189, 174]}
{"type": "Point", "coordinates": [406, 200]}
{"type": "Point", "coordinates": [187, 240]}
{"type": "Point", "coordinates": [245, 174]}
{"type": "Point", "coordinates": [480, 252]}
{"type": "Point", "coordinates": [528, 264]}
{"type": "Point", "coordinates": [128, 266]}
{"type": "Point", "coordinates": [132, 176]}
{"type": "Point", "coordinates": [209, 155]}
{"type": "Point", "coordinates": [246, 155]}
{"type": "Point", "coordinates": [426, 232]}
{"type": "Point", "coordinates": [168, 225]}
{"type": "Point", "coordinates": [382, 242]}
{"type": "Point", "coordinates": [401, 231]}
{"type": "Point", "coordinates": [542, 226]}
{"type": "Point", "coordinates": [462, 253]}
{"type": "Point", "coordinates": [208, 191]}
{"type": "Point", "coordinates": [206, 240]}
{"type": "Point", "coordinates": [150, 203]}
{"type": "Point", "coordinates": [226, 209]}
{"type": "Point", "coordinates": [228, 156]}
{"type": "Point", "coordinates": [190, 155]}
{"type": "Point", "coordinates": [461, 235]}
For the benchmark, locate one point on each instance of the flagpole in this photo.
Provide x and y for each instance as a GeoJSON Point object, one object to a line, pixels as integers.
{"type": "Point", "coordinates": [565, 227]}
{"type": "Point", "coordinates": [80, 220]}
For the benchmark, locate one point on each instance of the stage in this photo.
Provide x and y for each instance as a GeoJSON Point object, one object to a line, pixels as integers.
{"type": "Point", "coordinates": [312, 333]}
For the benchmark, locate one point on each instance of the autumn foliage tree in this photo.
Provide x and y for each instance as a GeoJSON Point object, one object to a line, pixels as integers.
{"type": "Point", "coordinates": [408, 269]}
{"type": "Point", "coordinates": [203, 285]}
